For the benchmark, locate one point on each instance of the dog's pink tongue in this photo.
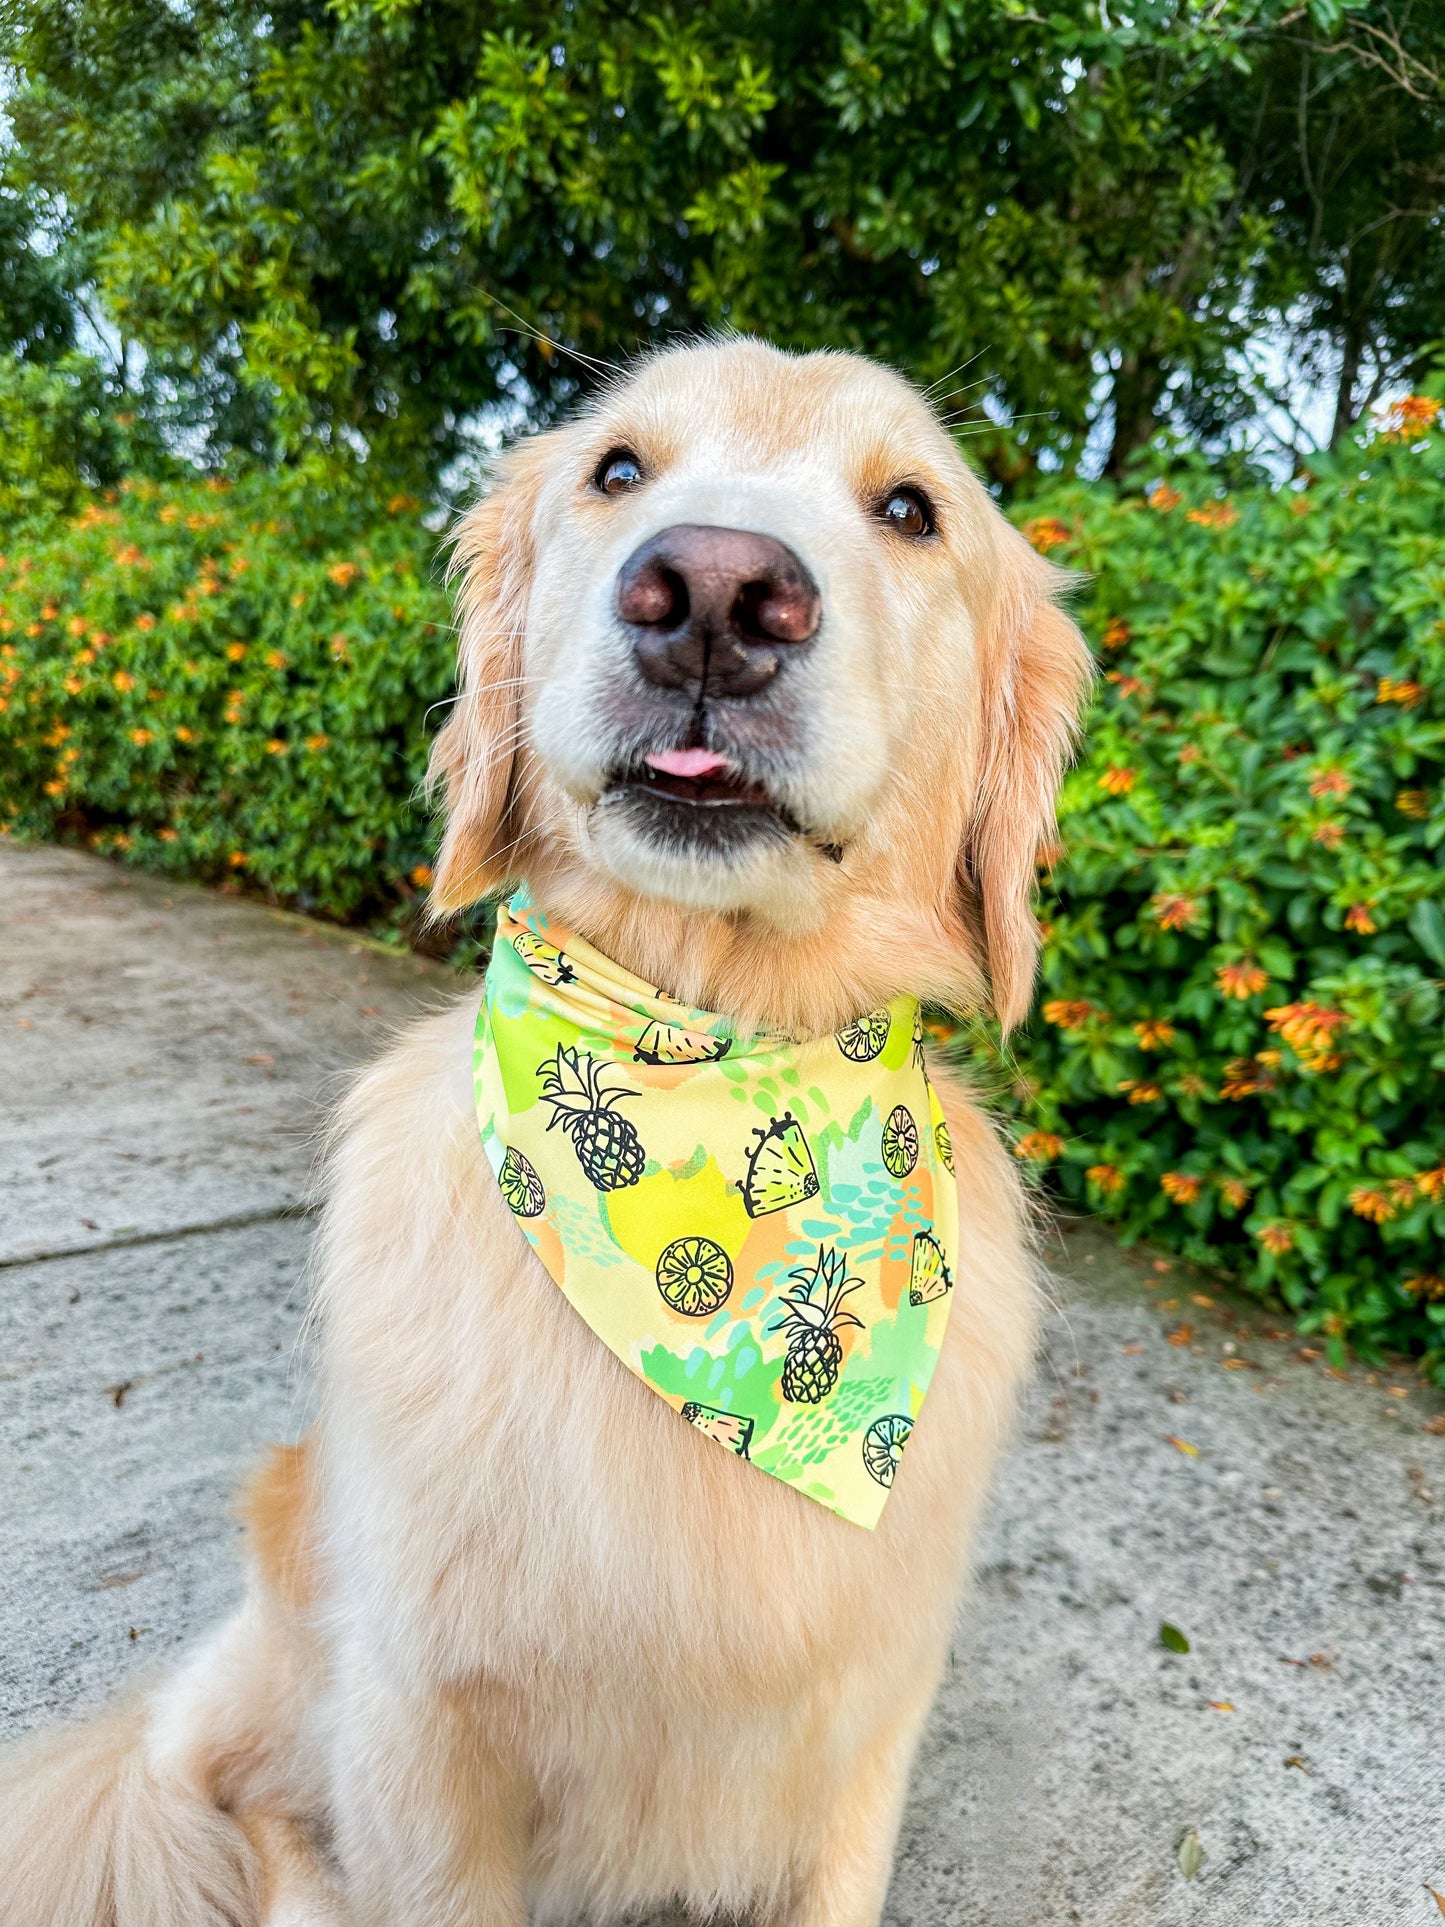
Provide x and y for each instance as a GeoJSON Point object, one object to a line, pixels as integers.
{"type": "Point", "coordinates": [688, 762]}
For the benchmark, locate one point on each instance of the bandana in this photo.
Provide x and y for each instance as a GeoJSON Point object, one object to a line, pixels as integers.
{"type": "Point", "coordinates": [765, 1231]}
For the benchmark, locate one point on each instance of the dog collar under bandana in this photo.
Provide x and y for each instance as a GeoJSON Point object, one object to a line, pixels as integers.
{"type": "Point", "coordinates": [766, 1232]}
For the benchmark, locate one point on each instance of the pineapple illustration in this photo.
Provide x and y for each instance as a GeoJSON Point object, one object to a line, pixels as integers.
{"type": "Point", "coordinates": [671, 1044]}
{"type": "Point", "coordinates": [521, 1186]}
{"type": "Point", "coordinates": [900, 1141]}
{"type": "Point", "coordinates": [883, 1445]}
{"type": "Point", "coordinates": [607, 1146]}
{"type": "Point", "coordinates": [862, 1040]}
{"type": "Point", "coordinates": [929, 1276]}
{"type": "Point", "coordinates": [943, 1141]}
{"type": "Point", "coordinates": [544, 959]}
{"type": "Point", "coordinates": [731, 1429]}
{"type": "Point", "coordinates": [814, 1316]}
{"type": "Point", "coordinates": [781, 1171]}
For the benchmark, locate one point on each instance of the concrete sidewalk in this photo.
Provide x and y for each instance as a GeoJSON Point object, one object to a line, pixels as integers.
{"type": "Point", "coordinates": [164, 1056]}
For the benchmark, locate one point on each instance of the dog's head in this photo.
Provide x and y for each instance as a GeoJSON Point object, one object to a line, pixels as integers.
{"type": "Point", "coordinates": [747, 641]}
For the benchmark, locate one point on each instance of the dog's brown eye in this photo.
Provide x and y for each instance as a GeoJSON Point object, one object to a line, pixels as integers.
{"type": "Point", "coordinates": [908, 511]}
{"type": "Point", "coordinates": [618, 472]}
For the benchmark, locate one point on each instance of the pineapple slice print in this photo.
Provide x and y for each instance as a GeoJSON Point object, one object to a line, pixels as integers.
{"type": "Point", "coordinates": [731, 1429]}
{"type": "Point", "coordinates": [863, 1040]}
{"type": "Point", "coordinates": [607, 1146]}
{"type": "Point", "coordinates": [929, 1276]}
{"type": "Point", "coordinates": [781, 1171]}
{"type": "Point", "coordinates": [813, 1319]}
{"type": "Point", "coordinates": [544, 959]}
{"type": "Point", "coordinates": [671, 1044]}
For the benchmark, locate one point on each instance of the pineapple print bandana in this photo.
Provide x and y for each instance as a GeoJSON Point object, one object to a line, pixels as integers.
{"type": "Point", "coordinates": [764, 1231]}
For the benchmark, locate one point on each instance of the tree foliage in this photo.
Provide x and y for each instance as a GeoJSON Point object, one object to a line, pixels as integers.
{"type": "Point", "coordinates": [323, 221]}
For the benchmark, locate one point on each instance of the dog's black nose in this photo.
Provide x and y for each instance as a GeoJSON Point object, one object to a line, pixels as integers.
{"type": "Point", "coordinates": [714, 611]}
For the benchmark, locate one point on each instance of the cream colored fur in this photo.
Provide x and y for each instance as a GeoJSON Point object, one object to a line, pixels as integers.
{"type": "Point", "coordinates": [516, 1637]}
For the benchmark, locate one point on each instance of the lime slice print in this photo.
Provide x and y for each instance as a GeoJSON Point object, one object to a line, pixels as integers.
{"type": "Point", "coordinates": [861, 1042]}
{"type": "Point", "coordinates": [900, 1141]}
{"type": "Point", "coordinates": [521, 1186]}
{"type": "Point", "coordinates": [928, 1276]}
{"type": "Point", "coordinates": [883, 1445]}
{"type": "Point", "coordinates": [694, 1276]}
{"type": "Point", "coordinates": [544, 959]}
{"type": "Point", "coordinates": [944, 1143]}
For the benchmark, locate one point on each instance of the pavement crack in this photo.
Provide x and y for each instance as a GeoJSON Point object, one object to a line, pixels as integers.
{"type": "Point", "coordinates": [128, 1240]}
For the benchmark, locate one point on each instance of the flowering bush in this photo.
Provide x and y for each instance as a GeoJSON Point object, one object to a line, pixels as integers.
{"type": "Point", "coordinates": [1239, 1050]}
{"type": "Point", "coordinates": [228, 682]}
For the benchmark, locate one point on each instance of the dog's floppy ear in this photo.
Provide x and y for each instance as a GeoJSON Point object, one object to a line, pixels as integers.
{"type": "Point", "coordinates": [474, 756]}
{"type": "Point", "coordinates": [1035, 670]}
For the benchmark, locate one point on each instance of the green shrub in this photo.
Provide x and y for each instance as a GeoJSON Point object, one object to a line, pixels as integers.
{"type": "Point", "coordinates": [1239, 1050]}
{"type": "Point", "coordinates": [224, 682]}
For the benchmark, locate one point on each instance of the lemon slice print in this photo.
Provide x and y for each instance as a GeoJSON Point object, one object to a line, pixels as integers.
{"type": "Point", "coordinates": [861, 1041]}
{"type": "Point", "coordinates": [694, 1276]}
{"type": "Point", "coordinates": [929, 1275]}
{"type": "Point", "coordinates": [900, 1141]}
{"type": "Point", "coordinates": [944, 1142]}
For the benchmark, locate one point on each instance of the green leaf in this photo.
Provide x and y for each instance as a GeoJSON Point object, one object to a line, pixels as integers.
{"type": "Point", "coordinates": [1190, 1854]}
{"type": "Point", "coordinates": [1427, 926]}
{"type": "Point", "coordinates": [1172, 1638]}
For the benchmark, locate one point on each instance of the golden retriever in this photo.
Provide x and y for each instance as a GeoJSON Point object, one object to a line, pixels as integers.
{"type": "Point", "coordinates": [517, 1643]}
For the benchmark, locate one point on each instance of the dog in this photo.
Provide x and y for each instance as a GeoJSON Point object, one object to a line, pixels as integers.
{"type": "Point", "coordinates": [762, 695]}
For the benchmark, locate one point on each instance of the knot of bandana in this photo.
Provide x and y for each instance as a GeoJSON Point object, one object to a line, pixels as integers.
{"type": "Point", "coordinates": [764, 1231]}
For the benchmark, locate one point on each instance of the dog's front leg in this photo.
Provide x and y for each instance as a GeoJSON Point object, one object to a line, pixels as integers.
{"type": "Point", "coordinates": [844, 1880]}
{"type": "Point", "coordinates": [432, 1816]}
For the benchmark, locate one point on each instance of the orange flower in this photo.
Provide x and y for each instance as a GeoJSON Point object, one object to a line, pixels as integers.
{"type": "Point", "coordinates": [55, 788]}
{"type": "Point", "coordinates": [238, 859]}
{"type": "Point", "coordinates": [1037, 1147]}
{"type": "Point", "coordinates": [1358, 917]}
{"type": "Point", "coordinates": [122, 681]}
{"type": "Point", "coordinates": [142, 737]}
{"type": "Point", "coordinates": [1191, 1085]}
{"type": "Point", "coordinates": [402, 504]}
{"type": "Point", "coordinates": [1409, 418]}
{"type": "Point", "coordinates": [1190, 753]}
{"type": "Point", "coordinates": [1306, 1027]}
{"type": "Point", "coordinates": [421, 876]}
{"type": "Point", "coordinates": [1165, 498]}
{"type": "Point", "coordinates": [1069, 1013]}
{"type": "Point", "coordinates": [343, 573]}
{"type": "Point", "coordinates": [1406, 693]}
{"type": "Point", "coordinates": [275, 659]}
{"type": "Point", "coordinates": [1127, 686]}
{"type": "Point", "coordinates": [235, 651]}
{"type": "Point", "coordinates": [1140, 1093]}
{"type": "Point", "coordinates": [145, 620]}
{"type": "Point", "coordinates": [1235, 1193]}
{"type": "Point", "coordinates": [167, 835]}
{"type": "Point", "coordinates": [1046, 532]}
{"type": "Point", "coordinates": [1118, 782]}
{"type": "Point", "coordinates": [1116, 633]}
{"type": "Point", "coordinates": [1372, 1203]}
{"type": "Point", "coordinates": [1246, 1077]}
{"type": "Point", "coordinates": [340, 649]}
{"type": "Point", "coordinates": [1180, 1187]}
{"type": "Point", "coordinates": [275, 746]}
{"type": "Point", "coordinates": [1330, 782]}
{"type": "Point", "coordinates": [1414, 803]}
{"type": "Point", "coordinates": [1431, 1184]}
{"type": "Point", "coordinates": [76, 625]}
{"type": "Point", "coordinates": [1108, 1177]}
{"type": "Point", "coordinates": [1276, 1238]}
{"type": "Point", "coordinates": [185, 735]}
{"type": "Point", "coordinates": [1241, 980]}
{"type": "Point", "coordinates": [317, 742]}
{"type": "Point", "coordinates": [1154, 1034]}
{"type": "Point", "coordinates": [1175, 912]}
{"type": "Point", "coordinates": [128, 555]}
{"type": "Point", "coordinates": [1329, 835]}
{"type": "Point", "coordinates": [1425, 1284]}
{"type": "Point", "coordinates": [1214, 515]}
{"type": "Point", "coordinates": [49, 612]}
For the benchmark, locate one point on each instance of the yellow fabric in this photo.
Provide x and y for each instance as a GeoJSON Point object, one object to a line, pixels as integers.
{"type": "Point", "coordinates": [764, 1231]}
